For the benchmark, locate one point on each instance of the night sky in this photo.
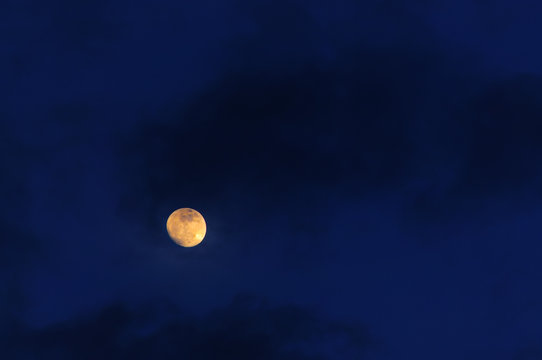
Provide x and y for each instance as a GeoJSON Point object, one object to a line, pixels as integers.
{"type": "Point", "coordinates": [370, 173]}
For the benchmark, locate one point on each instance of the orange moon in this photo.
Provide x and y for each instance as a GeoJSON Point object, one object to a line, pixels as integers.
{"type": "Point", "coordinates": [186, 227]}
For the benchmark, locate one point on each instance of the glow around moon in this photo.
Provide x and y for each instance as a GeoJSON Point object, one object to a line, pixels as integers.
{"type": "Point", "coordinates": [186, 227]}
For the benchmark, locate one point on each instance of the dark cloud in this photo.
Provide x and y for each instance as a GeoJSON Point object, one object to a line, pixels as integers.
{"type": "Point", "coordinates": [297, 109]}
{"type": "Point", "coordinates": [249, 328]}
{"type": "Point", "coordinates": [492, 153]}
{"type": "Point", "coordinates": [342, 125]}
{"type": "Point", "coordinates": [504, 135]}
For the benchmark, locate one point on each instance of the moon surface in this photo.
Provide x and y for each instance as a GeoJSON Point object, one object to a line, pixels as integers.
{"type": "Point", "coordinates": [186, 227]}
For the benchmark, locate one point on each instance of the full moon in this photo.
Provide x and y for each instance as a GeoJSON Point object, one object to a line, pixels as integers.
{"type": "Point", "coordinates": [186, 227]}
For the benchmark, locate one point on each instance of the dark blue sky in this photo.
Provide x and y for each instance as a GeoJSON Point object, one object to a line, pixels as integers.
{"type": "Point", "coordinates": [370, 173]}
